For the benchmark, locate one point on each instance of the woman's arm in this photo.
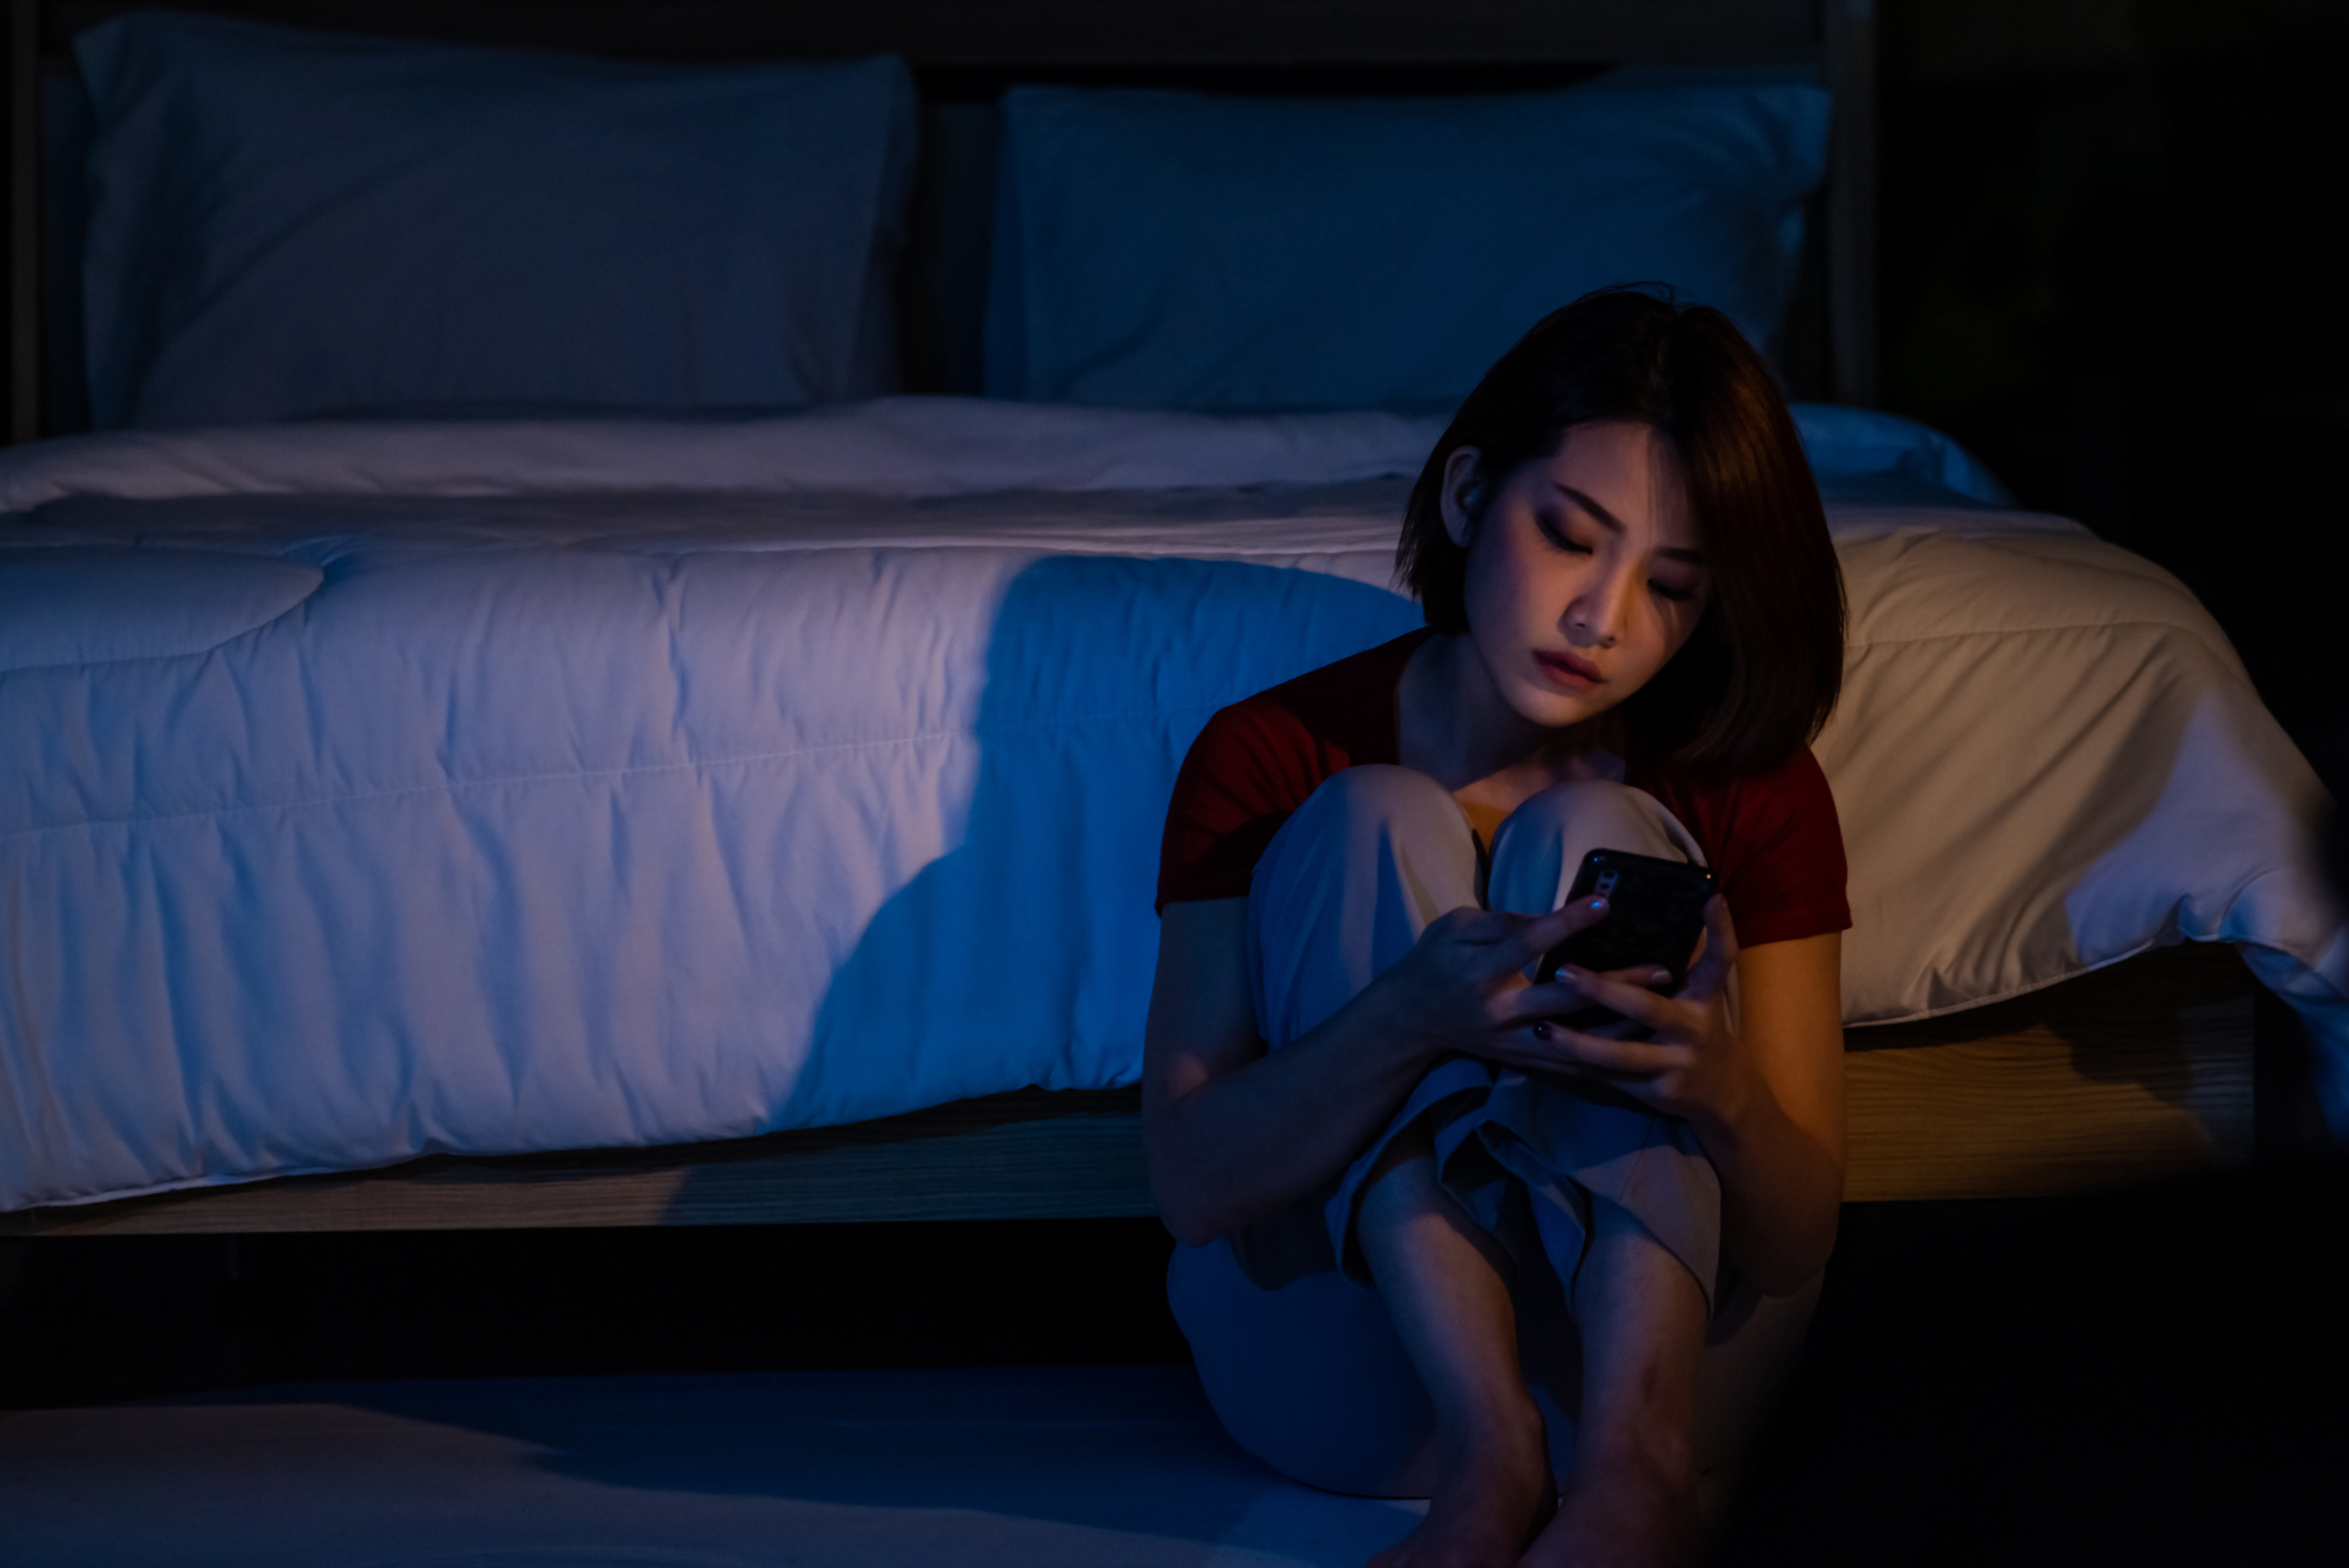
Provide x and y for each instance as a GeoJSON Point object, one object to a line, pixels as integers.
{"type": "Point", "coordinates": [1780, 1151]}
{"type": "Point", "coordinates": [1232, 1132]}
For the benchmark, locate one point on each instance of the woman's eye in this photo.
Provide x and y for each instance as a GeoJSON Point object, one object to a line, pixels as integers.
{"type": "Point", "coordinates": [1555, 529]}
{"type": "Point", "coordinates": [1666, 591]}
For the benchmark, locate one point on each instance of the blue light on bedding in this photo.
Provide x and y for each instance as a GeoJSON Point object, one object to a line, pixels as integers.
{"type": "Point", "coordinates": [284, 225]}
{"type": "Point", "coordinates": [94, 606]}
{"type": "Point", "coordinates": [504, 790]}
{"type": "Point", "coordinates": [1174, 249]}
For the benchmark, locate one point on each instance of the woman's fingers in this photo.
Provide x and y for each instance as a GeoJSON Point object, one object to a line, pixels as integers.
{"type": "Point", "coordinates": [1476, 926]}
{"type": "Point", "coordinates": [1646, 979]}
{"type": "Point", "coordinates": [1633, 1001]}
{"type": "Point", "coordinates": [1531, 1037]}
{"type": "Point", "coordinates": [1623, 1058]}
{"type": "Point", "coordinates": [1557, 1049]}
{"type": "Point", "coordinates": [1543, 932]}
{"type": "Point", "coordinates": [1560, 997]}
{"type": "Point", "coordinates": [1512, 942]}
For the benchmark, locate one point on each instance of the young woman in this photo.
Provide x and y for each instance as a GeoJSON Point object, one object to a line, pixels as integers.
{"type": "Point", "coordinates": [1436, 1243]}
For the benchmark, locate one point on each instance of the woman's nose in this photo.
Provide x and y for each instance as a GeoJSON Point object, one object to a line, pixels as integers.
{"type": "Point", "coordinates": [1594, 615]}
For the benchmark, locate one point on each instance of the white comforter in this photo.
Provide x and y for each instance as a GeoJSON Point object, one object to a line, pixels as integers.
{"type": "Point", "coordinates": [369, 790]}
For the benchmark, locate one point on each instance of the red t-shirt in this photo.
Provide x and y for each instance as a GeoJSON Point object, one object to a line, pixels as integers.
{"type": "Point", "coordinates": [1773, 839]}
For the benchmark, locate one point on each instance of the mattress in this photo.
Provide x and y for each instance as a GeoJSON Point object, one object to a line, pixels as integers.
{"type": "Point", "coordinates": [371, 790]}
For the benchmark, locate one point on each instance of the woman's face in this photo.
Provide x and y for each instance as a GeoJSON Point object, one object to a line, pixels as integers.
{"type": "Point", "coordinates": [1584, 570]}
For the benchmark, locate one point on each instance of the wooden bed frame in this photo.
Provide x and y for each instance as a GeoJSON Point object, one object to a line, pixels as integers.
{"type": "Point", "coordinates": [2142, 1069]}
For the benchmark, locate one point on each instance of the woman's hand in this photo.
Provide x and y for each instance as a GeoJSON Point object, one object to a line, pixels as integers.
{"type": "Point", "coordinates": [1462, 986]}
{"type": "Point", "coordinates": [1766, 1100]}
{"type": "Point", "coordinates": [1692, 1068]}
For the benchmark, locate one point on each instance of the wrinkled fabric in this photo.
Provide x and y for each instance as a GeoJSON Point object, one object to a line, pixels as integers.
{"type": "Point", "coordinates": [567, 820]}
{"type": "Point", "coordinates": [1297, 1355]}
{"type": "Point", "coordinates": [1344, 891]}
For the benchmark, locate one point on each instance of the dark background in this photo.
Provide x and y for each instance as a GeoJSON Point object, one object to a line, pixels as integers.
{"type": "Point", "coordinates": [2150, 1377]}
{"type": "Point", "coordinates": [2110, 269]}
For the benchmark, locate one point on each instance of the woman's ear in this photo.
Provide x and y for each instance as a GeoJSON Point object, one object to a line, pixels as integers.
{"type": "Point", "coordinates": [1462, 492]}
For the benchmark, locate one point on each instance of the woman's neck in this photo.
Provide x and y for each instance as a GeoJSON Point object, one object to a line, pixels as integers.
{"type": "Point", "coordinates": [1453, 726]}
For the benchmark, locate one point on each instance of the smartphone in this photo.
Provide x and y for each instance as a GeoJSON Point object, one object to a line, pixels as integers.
{"type": "Point", "coordinates": [1655, 913]}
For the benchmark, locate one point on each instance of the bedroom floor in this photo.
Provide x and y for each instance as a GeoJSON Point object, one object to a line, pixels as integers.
{"type": "Point", "coordinates": [878, 1469]}
{"type": "Point", "coordinates": [2154, 1378]}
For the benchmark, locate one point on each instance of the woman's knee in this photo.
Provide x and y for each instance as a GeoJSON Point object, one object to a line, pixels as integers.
{"type": "Point", "coordinates": [1538, 850]}
{"type": "Point", "coordinates": [1396, 798]}
{"type": "Point", "coordinates": [1348, 884]}
{"type": "Point", "coordinates": [1595, 806]}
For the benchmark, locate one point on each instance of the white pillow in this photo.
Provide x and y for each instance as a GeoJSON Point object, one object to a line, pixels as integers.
{"type": "Point", "coordinates": [1184, 250]}
{"type": "Point", "coordinates": [284, 224]}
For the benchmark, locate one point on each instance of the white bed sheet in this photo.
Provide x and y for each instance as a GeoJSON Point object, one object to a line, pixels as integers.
{"type": "Point", "coordinates": [340, 825]}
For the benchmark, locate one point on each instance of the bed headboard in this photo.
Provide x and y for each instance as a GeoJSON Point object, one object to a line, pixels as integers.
{"type": "Point", "coordinates": [965, 52]}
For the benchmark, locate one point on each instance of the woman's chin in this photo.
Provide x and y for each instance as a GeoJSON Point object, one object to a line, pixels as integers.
{"type": "Point", "coordinates": [1549, 708]}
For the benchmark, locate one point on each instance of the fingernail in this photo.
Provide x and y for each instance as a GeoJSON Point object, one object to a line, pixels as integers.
{"type": "Point", "coordinates": [1598, 906]}
{"type": "Point", "coordinates": [1658, 977]}
{"type": "Point", "coordinates": [1574, 972]}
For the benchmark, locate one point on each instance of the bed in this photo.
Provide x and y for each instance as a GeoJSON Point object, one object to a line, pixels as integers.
{"type": "Point", "coordinates": [703, 813]}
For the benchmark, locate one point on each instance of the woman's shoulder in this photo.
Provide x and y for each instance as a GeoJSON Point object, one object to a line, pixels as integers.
{"type": "Point", "coordinates": [1256, 761]}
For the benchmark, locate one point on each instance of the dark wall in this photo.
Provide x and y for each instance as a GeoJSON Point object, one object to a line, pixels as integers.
{"type": "Point", "coordinates": [2109, 269]}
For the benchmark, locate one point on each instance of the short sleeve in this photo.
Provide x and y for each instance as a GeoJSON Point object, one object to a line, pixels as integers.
{"type": "Point", "coordinates": [1228, 803]}
{"type": "Point", "coordinates": [1258, 760]}
{"type": "Point", "coordinates": [1790, 871]}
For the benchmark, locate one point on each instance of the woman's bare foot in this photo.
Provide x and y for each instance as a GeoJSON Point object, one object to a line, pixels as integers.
{"type": "Point", "coordinates": [1633, 1508]}
{"type": "Point", "coordinates": [1492, 1494]}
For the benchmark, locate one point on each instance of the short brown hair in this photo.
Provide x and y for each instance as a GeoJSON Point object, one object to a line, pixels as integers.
{"type": "Point", "coordinates": [1761, 672]}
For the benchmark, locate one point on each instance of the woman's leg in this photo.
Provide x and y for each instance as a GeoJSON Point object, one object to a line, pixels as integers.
{"type": "Point", "coordinates": [1347, 888]}
{"type": "Point", "coordinates": [1341, 895]}
{"type": "Point", "coordinates": [1347, 1386]}
{"type": "Point", "coordinates": [1445, 1282]}
{"type": "Point", "coordinates": [1308, 1378]}
{"type": "Point", "coordinates": [1635, 1238]}
{"type": "Point", "coordinates": [1301, 1360]}
{"type": "Point", "coordinates": [1631, 1494]}
{"type": "Point", "coordinates": [1636, 1242]}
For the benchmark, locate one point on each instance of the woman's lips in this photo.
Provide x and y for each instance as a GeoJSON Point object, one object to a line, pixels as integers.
{"type": "Point", "coordinates": [1566, 670]}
